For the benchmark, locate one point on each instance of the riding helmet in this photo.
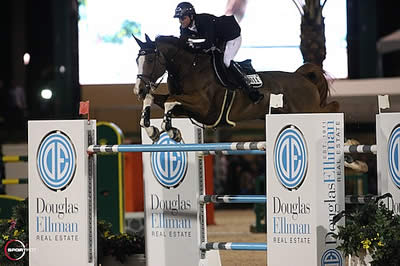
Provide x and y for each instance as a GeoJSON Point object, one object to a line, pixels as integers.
{"type": "Point", "coordinates": [184, 9]}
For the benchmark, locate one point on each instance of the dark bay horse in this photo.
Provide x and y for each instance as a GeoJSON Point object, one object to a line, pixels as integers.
{"type": "Point", "coordinates": [195, 92]}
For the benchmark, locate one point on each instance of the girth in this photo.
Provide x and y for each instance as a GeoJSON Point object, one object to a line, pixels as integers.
{"type": "Point", "coordinates": [223, 118]}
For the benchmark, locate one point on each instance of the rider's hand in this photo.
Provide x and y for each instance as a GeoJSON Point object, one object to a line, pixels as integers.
{"type": "Point", "coordinates": [191, 45]}
{"type": "Point", "coordinates": [196, 43]}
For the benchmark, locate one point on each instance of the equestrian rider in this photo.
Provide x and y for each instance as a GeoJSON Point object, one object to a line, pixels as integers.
{"type": "Point", "coordinates": [216, 29]}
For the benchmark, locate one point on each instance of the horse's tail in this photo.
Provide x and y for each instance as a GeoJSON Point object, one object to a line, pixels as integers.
{"type": "Point", "coordinates": [317, 76]}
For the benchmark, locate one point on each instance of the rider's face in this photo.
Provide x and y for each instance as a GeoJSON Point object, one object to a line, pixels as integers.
{"type": "Point", "coordinates": [185, 21]}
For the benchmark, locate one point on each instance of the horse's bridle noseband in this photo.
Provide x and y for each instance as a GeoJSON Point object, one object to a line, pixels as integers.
{"type": "Point", "coordinates": [148, 79]}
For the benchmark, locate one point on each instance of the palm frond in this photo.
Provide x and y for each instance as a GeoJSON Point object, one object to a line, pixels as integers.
{"type": "Point", "coordinates": [299, 7]}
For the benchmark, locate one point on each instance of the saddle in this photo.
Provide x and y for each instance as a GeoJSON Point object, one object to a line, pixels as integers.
{"type": "Point", "coordinates": [226, 78]}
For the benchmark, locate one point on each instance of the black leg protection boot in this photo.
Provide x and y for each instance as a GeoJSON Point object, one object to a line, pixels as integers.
{"type": "Point", "coordinates": [254, 95]}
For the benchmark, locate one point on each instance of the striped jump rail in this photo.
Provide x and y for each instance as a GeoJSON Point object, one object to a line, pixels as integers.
{"type": "Point", "coordinates": [14, 159]}
{"type": "Point", "coordinates": [232, 199]}
{"type": "Point", "coordinates": [263, 199]}
{"type": "Point", "coordinates": [255, 152]}
{"type": "Point", "coordinates": [233, 246]}
{"type": "Point", "coordinates": [346, 148]}
{"type": "Point", "coordinates": [14, 181]}
{"type": "Point", "coordinates": [210, 148]}
{"type": "Point", "coordinates": [354, 199]}
{"type": "Point", "coordinates": [222, 146]}
{"type": "Point", "coordinates": [360, 149]}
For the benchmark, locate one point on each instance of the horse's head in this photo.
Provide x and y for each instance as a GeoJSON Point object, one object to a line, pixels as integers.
{"type": "Point", "coordinates": [151, 66]}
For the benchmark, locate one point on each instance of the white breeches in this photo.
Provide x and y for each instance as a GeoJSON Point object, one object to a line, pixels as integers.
{"type": "Point", "coordinates": [231, 49]}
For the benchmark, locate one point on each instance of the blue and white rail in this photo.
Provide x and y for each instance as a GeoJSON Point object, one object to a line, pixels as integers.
{"type": "Point", "coordinates": [233, 246]}
{"type": "Point", "coordinates": [178, 147]}
{"type": "Point", "coordinates": [241, 152]}
{"type": "Point", "coordinates": [227, 148]}
{"type": "Point", "coordinates": [232, 199]}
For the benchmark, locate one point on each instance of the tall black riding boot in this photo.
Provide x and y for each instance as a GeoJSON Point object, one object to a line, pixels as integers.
{"type": "Point", "coordinates": [254, 95]}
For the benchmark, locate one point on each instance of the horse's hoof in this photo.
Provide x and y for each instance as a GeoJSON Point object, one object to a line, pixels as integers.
{"type": "Point", "coordinates": [166, 124]}
{"type": "Point", "coordinates": [175, 134]}
{"type": "Point", "coordinates": [156, 134]}
{"type": "Point", "coordinates": [153, 133]}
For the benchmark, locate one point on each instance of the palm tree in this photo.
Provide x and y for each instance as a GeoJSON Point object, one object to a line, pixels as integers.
{"type": "Point", "coordinates": [312, 45]}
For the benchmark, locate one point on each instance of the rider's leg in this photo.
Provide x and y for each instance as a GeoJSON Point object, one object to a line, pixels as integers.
{"type": "Point", "coordinates": [231, 49]}
{"type": "Point", "coordinates": [254, 95]}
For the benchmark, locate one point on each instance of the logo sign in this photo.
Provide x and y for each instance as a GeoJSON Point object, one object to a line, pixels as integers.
{"type": "Point", "coordinates": [56, 160]}
{"type": "Point", "coordinates": [14, 250]}
{"type": "Point", "coordinates": [169, 168]}
{"type": "Point", "coordinates": [394, 156]}
{"type": "Point", "coordinates": [290, 158]}
{"type": "Point", "coordinates": [331, 257]}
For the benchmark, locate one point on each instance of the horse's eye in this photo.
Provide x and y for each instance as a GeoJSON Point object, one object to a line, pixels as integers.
{"type": "Point", "coordinates": [150, 60]}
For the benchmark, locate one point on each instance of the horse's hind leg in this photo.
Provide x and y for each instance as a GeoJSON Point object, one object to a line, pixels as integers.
{"type": "Point", "coordinates": [166, 125]}
{"type": "Point", "coordinates": [152, 131]}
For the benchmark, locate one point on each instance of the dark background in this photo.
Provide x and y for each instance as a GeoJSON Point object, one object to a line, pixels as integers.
{"type": "Point", "coordinates": [47, 29]}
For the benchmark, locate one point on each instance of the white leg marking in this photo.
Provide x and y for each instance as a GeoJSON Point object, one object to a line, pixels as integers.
{"type": "Point", "coordinates": [168, 107]}
{"type": "Point", "coordinates": [147, 102]}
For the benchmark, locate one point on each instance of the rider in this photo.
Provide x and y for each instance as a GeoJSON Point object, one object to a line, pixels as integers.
{"type": "Point", "coordinates": [216, 29]}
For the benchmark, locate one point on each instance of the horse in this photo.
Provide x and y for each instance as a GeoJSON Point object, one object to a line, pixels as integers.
{"type": "Point", "coordinates": [194, 90]}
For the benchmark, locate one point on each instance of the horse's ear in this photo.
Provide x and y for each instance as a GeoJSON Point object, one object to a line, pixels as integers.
{"type": "Point", "coordinates": [139, 42]}
{"type": "Point", "coordinates": [147, 38]}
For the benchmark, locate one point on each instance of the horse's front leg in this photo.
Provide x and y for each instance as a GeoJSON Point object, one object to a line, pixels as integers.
{"type": "Point", "coordinates": [152, 131]}
{"type": "Point", "coordinates": [166, 125]}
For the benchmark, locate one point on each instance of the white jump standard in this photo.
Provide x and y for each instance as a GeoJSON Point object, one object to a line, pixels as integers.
{"type": "Point", "coordinates": [62, 193]}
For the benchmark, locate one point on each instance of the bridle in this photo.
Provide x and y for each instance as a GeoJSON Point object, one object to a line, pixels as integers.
{"type": "Point", "coordinates": [149, 80]}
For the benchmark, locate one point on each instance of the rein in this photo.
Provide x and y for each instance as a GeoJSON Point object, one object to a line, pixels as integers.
{"type": "Point", "coordinates": [148, 83]}
{"type": "Point", "coordinates": [148, 79]}
{"type": "Point", "coordinates": [170, 67]}
{"type": "Point", "coordinates": [173, 73]}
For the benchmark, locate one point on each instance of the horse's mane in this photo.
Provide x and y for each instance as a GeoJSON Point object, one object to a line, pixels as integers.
{"type": "Point", "coordinates": [174, 41]}
{"type": "Point", "coordinates": [168, 40]}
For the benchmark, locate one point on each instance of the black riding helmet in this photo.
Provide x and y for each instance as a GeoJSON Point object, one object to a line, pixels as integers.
{"type": "Point", "coordinates": [184, 9]}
